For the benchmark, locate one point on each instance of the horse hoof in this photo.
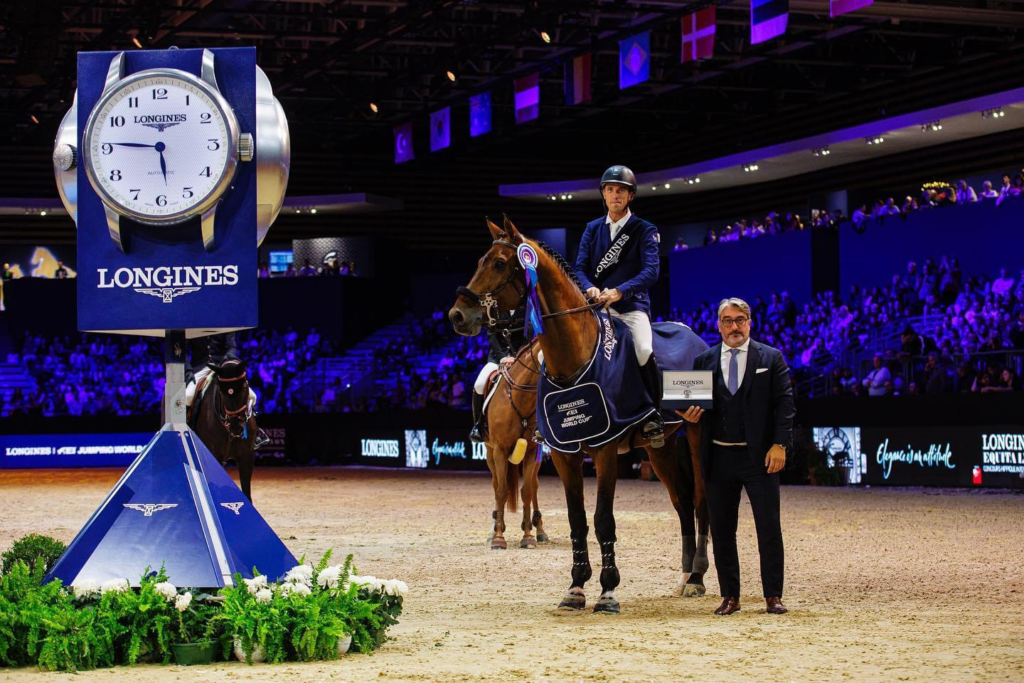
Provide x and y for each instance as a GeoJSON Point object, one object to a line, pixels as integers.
{"type": "Point", "coordinates": [499, 544]}
{"type": "Point", "coordinates": [528, 542]}
{"type": "Point", "coordinates": [607, 606]}
{"type": "Point", "coordinates": [573, 602]}
{"type": "Point", "coordinates": [542, 538]}
{"type": "Point", "coordinates": [694, 590]}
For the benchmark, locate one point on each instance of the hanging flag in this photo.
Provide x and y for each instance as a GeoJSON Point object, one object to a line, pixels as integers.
{"type": "Point", "coordinates": [480, 114]}
{"type": "Point", "coordinates": [440, 129]}
{"type": "Point", "coordinates": [403, 143]}
{"type": "Point", "coordinates": [768, 19]}
{"type": "Point", "coordinates": [577, 80]}
{"type": "Point", "coordinates": [699, 35]}
{"type": "Point", "coordinates": [634, 60]}
{"type": "Point", "coordinates": [844, 6]}
{"type": "Point", "coordinates": [527, 98]}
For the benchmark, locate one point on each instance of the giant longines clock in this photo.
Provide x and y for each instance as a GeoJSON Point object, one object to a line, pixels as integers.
{"type": "Point", "coordinates": [162, 146]}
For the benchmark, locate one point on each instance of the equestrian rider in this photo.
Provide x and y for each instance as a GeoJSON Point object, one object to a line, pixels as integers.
{"type": "Point", "coordinates": [500, 348]}
{"type": "Point", "coordinates": [215, 350]}
{"type": "Point", "coordinates": [617, 263]}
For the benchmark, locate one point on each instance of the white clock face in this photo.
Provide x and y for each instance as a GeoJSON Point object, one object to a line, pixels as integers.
{"type": "Point", "coordinates": [159, 147]}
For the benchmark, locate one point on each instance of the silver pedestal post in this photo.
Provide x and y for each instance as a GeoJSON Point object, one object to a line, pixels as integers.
{"type": "Point", "coordinates": [175, 357]}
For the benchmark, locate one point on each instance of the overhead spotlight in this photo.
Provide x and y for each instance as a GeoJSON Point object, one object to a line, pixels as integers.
{"type": "Point", "coordinates": [135, 39]}
{"type": "Point", "coordinates": [933, 126]}
{"type": "Point", "coordinates": [373, 107]}
{"type": "Point", "coordinates": [667, 186]}
{"type": "Point", "coordinates": [545, 36]}
{"type": "Point", "coordinates": [298, 210]}
{"type": "Point", "coordinates": [874, 140]}
{"type": "Point", "coordinates": [43, 212]}
{"type": "Point", "coordinates": [654, 188]}
{"type": "Point", "coordinates": [692, 181]}
{"type": "Point", "coordinates": [997, 113]}
{"type": "Point", "coordinates": [312, 210]}
{"type": "Point", "coordinates": [568, 196]}
{"type": "Point", "coordinates": [554, 198]}
{"type": "Point", "coordinates": [750, 168]}
{"type": "Point", "coordinates": [821, 151]}
{"type": "Point", "coordinates": [562, 197]}
{"type": "Point", "coordinates": [34, 119]}
{"type": "Point", "coordinates": [450, 75]}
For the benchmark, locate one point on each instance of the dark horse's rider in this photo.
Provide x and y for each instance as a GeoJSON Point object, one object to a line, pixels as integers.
{"type": "Point", "coordinates": [500, 348]}
{"type": "Point", "coordinates": [617, 263]}
{"type": "Point", "coordinates": [215, 350]}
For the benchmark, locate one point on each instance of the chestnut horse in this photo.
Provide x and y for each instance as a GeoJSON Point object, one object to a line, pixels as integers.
{"type": "Point", "coordinates": [511, 415]}
{"type": "Point", "coordinates": [570, 335]}
{"type": "Point", "coordinates": [223, 422]}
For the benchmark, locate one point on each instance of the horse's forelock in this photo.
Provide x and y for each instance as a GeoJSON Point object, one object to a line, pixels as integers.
{"type": "Point", "coordinates": [232, 369]}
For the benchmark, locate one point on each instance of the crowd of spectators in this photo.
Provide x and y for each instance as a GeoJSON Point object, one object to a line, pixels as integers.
{"type": "Point", "coordinates": [931, 196]}
{"type": "Point", "coordinates": [330, 267]}
{"type": "Point", "coordinates": [963, 324]}
{"type": "Point", "coordinates": [90, 374]}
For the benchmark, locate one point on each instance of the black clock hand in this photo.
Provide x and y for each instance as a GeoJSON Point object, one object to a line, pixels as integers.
{"type": "Point", "coordinates": [160, 147]}
{"type": "Point", "coordinates": [132, 144]}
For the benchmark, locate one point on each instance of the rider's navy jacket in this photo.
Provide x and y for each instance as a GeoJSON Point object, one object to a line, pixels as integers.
{"type": "Point", "coordinates": [631, 267]}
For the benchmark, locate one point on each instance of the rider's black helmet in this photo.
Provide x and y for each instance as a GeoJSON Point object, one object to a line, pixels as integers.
{"type": "Point", "coordinates": [619, 175]}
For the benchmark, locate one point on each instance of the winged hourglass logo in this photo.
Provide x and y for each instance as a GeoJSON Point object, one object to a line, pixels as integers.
{"type": "Point", "coordinates": [147, 509]}
{"type": "Point", "coordinates": [234, 507]}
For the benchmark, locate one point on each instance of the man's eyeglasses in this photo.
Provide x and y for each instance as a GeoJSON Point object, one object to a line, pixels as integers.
{"type": "Point", "coordinates": [729, 322]}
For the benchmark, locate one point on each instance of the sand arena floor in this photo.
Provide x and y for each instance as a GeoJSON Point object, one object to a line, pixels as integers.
{"type": "Point", "coordinates": [883, 585]}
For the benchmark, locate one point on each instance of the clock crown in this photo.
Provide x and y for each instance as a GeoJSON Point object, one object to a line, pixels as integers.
{"type": "Point", "coordinates": [246, 147]}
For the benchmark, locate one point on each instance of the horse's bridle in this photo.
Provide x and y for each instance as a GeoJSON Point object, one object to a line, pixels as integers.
{"type": "Point", "coordinates": [225, 416]}
{"type": "Point", "coordinates": [487, 300]}
{"type": "Point", "coordinates": [489, 303]}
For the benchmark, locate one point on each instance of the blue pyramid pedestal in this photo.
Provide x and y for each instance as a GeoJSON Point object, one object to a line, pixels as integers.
{"type": "Point", "coordinates": [175, 506]}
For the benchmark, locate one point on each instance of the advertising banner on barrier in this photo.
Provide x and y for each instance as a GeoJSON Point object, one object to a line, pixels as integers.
{"type": "Point", "coordinates": [944, 456]}
{"type": "Point", "coordinates": [443, 449]}
{"type": "Point", "coordinates": [70, 450]}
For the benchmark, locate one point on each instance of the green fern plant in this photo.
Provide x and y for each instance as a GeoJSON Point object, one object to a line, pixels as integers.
{"type": "Point", "coordinates": [33, 549]}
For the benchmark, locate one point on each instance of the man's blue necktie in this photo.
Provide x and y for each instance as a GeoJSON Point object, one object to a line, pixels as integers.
{"type": "Point", "coordinates": [734, 371]}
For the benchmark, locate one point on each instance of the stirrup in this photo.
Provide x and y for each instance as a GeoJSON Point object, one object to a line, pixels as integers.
{"type": "Point", "coordinates": [261, 438]}
{"type": "Point", "coordinates": [654, 431]}
{"type": "Point", "coordinates": [475, 434]}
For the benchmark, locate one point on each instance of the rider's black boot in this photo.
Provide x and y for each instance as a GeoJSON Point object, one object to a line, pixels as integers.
{"type": "Point", "coordinates": [476, 435]}
{"type": "Point", "coordinates": [654, 430]}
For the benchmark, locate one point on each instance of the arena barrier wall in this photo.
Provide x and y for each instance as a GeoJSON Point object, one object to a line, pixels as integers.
{"type": "Point", "coordinates": [899, 441]}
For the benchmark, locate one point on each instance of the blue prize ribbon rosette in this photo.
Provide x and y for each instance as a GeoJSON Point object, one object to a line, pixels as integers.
{"type": "Point", "coordinates": [534, 321]}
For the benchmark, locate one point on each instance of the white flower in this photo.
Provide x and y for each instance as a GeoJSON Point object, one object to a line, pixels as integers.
{"type": "Point", "coordinates": [295, 589]}
{"type": "Point", "coordinates": [329, 577]}
{"type": "Point", "coordinates": [395, 587]}
{"type": "Point", "coordinates": [302, 573]}
{"type": "Point", "coordinates": [256, 584]}
{"type": "Point", "coordinates": [166, 589]}
{"type": "Point", "coordinates": [264, 595]}
{"type": "Point", "coordinates": [114, 586]}
{"type": "Point", "coordinates": [86, 588]}
{"type": "Point", "coordinates": [182, 602]}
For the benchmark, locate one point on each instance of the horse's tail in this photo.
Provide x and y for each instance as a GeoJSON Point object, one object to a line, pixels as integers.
{"type": "Point", "coordinates": [512, 501]}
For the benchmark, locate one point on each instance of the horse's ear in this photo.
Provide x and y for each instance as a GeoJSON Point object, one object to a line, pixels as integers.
{"type": "Point", "coordinates": [511, 231]}
{"type": "Point", "coordinates": [496, 232]}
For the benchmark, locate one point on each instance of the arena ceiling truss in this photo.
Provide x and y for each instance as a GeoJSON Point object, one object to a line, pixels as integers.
{"type": "Point", "coordinates": [330, 60]}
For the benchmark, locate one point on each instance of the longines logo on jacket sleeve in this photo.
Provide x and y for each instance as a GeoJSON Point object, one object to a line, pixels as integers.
{"type": "Point", "coordinates": [168, 282]}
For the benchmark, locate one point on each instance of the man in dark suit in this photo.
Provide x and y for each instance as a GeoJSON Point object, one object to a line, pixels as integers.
{"type": "Point", "coordinates": [743, 446]}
